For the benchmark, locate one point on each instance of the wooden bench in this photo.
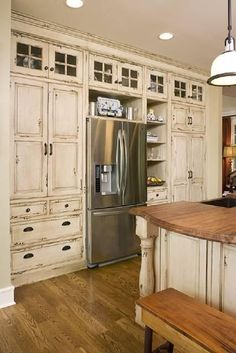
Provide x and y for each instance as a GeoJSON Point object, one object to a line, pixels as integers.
{"type": "Point", "coordinates": [186, 323]}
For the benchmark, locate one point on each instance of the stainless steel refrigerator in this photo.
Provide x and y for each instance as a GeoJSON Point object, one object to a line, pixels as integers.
{"type": "Point", "coordinates": [116, 181]}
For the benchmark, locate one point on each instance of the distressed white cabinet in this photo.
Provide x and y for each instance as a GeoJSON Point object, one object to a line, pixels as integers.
{"type": "Point", "coordinates": [188, 167]}
{"type": "Point", "coordinates": [187, 118]}
{"type": "Point", "coordinates": [108, 73]}
{"type": "Point", "coordinates": [33, 57]}
{"type": "Point", "coordinates": [156, 84]}
{"type": "Point", "coordinates": [186, 91]}
{"type": "Point", "coordinates": [46, 141]}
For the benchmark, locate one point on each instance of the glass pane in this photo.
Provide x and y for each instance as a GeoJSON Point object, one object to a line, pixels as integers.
{"type": "Point", "coordinates": [160, 89]}
{"type": "Point", "coordinates": [107, 78]}
{"type": "Point", "coordinates": [37, 52]}
{"type": "Point", "coordinates": [60, 69]}
{"type": "Point", "coordinates": [125, 82]}
{"type": "Point", "coordinates": [71, 71]}
{"type": "Point", "coordinates": [153, 87]}
{"type": "Point", "coordinates": [71, 59]}
{"type": "Point", "coordinates": [177, 84]}
{"type": "Point", "coordinates": [153, 78]}
{"type": "Point", "coordinates": [183, 94]}
{"type": "Point", "coordinates": [98, 66]}
{"type": "Point", "coordinates": [199, 89]}
{"type": "Point", "coordinates": [133, 74]}
{"type": "Point", "coordinates": [22, 49]}
{"type": "Point", "coordinates": [183, 85]}
{"type": "Point", "coordinates": [177, 93]}
{"type": "Point", "coordinates": [22, 61]}
{"type": "Point", "coordinates": [35, 64]}
{"type": "Point", "coordinates": [108, 68]}
{"type": "Point", "coordinates": [59, 57]}
{"type": "Point", "coordinates": [98, 76]}
{"type": "Point", "coordinates": [160, 80]}
{"type": "Point", "coordinates": [200, 98]}
{"type": "Point", "coordinates": [125, 72]}
{"type": "Point", "coordinates": [194, 88]}
{"type": "Point", "coordinates": [134, 84]}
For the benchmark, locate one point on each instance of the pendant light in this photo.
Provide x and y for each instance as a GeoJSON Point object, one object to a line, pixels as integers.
{"type": "Point", "coordinates": [74, 3]}
{"type": "Point", "coordinates": [223, 68]}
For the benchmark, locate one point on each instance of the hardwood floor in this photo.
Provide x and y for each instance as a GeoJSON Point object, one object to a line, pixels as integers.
{"type": "Point", "coordinates": [91, 311]}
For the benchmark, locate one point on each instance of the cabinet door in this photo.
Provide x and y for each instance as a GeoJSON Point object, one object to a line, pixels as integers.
{"type": "Point", "coordinates": [179, 89]}
{"type": "Point", "coordinates": [130, 78]}
{"type": "Point", "coordinates": [197, 167]}
{"type": "Point", "coordinates": [197, 119]}
{"type": "Point", "coordinates": [184, 259]}
{"type": "Point", "coordinates": [28, 142]}
{"type": "Point", "coordinates": [197, 93]}
{"type": "Point", "coordinates": [156, 84]}
{"type": "Point", "coordinates": [180, 118]}
{"type": "Point", "coordinates": [228, 290]}
{"type": "Point", "coordinates": [65, 154]}
{"type": "Point", "coordinates": [103, 72]}
{"type": "Point", "coordinates": [180, 167]}
{"type": "Point", "coordinates": [29, 56]}
{"type": "Point", "coordinates": [65, 64]}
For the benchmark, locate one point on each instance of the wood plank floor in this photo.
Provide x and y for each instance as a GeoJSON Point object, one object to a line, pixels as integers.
{"type": "Point", "coordinates": [90, 311]}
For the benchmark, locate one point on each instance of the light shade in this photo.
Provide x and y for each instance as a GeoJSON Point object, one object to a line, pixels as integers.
{"type": "Point", "coordinates": [74, 3]}
{"type": "Point", "coordinates": [223, 69]}
{"type": "Point", "coordinates": [166, 36]}
{"type": "Point", "coordinates": [230, 151]}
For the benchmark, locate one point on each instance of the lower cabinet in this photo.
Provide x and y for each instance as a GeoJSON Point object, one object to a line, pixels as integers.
{"type": "Point", "coordinates": [46, 239]}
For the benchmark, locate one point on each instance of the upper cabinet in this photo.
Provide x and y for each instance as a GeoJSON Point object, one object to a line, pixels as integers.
{"type": "Point", "coordinates": [113, 74]}
{"type": "Point", "coordinates": [32, 57]}
{"type": "Point", "coordinates": [156, 84]}
{"type": "Point", "coordinates": [187, 91]}
{"type": "Point", "coordinates": [188, 119]}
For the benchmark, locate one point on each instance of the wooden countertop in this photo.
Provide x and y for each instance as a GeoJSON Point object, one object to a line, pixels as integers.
{"type": "Point", "coordinates": [194, 219]}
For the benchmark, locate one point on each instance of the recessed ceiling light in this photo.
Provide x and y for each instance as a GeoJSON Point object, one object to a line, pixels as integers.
{"type": "Point", "coordinates": [75, 4]}
{"type": "Point", "coordinates": [166, 36]}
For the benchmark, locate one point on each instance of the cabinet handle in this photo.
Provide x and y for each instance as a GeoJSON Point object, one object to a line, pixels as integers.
{"type": "Point", "coordinates": [190, 97]}
{"type": "Point", "coordinates": [225, 260]}
{"type": "Point", "coordinates": [119, 82]}
{"type": "Point", "coordinates": [157, 195]}
{"type": "Point", "coordinates": [66, 223]}
{"type": "Point", "coordinates": [45, 149]}
{"type": "Point", "coordinates": [149, 88]}
{"type": "Point", "coordinates": [28, 256]}
{"type": "Point", "coordinates": [51, 68]}
{"type": "Point", "coordinates": [66, 205]}
{"type": "Point", "coordinates": [189, 174]}
{"type": "Point", "coordinates": [191, 120]}
{"type": "Point", "coordinates": [51, 149]}
{"type": "Point", "coordinates": [28, 229]}
{"type": "Point", "coordinates": [46, 68]}
{"type": "Point", "coordinates": [27, 210]}
{"type": "Point", "coordinates": [66, 247]}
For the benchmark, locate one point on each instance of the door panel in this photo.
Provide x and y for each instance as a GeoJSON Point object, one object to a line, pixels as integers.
{"type": "Point", "coordinates": [134, 187]}
{"type": "Point", "coordinates": [111, 235]}
{"type": "Point", "coordinates": [197, 166]}
{"type": "Point", "coordinates": [180, 116]}
{"type": "Point", "coordinates": [198, 119]}
{"type": "Point", "coordinates": [228, 285]}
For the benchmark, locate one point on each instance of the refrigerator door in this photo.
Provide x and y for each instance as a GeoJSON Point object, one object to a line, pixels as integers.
{"type": "Point", "coordinates": [111, 235]}
{"type": "Point", "coordinates": [134, 190]}
{"type": "Point", "coordinates": [104, 162]}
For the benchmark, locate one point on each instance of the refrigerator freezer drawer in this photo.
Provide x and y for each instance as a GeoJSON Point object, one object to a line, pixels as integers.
{"type": "Point", "coordinates": [111, 235]}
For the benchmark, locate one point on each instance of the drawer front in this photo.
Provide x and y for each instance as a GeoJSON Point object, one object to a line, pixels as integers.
{"type": "Point", "coordinates": [155, 195]}
{"type": "Point", "coordinates": [61, 206]}
{"type": "Point", "coordinates": [45, 230]}
{"type": "Point", "coordinates": [28, 210]}
{"type": "Point", "coordinates": [47, 255]}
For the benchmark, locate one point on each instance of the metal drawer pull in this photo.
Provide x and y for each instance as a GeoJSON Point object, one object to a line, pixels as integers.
{"type": "Point", "coordinates": [66, 223]}
{"type": "Point", "coordinates": [28, 229]}
{"type": "Point", "coordinates": [27, 210]}
{"type": "Point", "coordinates": [28, 256]}
{"type": "Point", "coordinates": [157, 195]}
{"type": "Point", "coordinates": [66, 205]}
{"type": "Point", "coordinates": [66, 247]}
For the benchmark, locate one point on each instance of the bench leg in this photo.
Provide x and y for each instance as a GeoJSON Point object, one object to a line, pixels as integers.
{"type": "Point", "coordinates": [148, 340]}
{"type": "Point", "coordinates": [170, 347]}
{"type": "Point", "coordinates": [167, 347]}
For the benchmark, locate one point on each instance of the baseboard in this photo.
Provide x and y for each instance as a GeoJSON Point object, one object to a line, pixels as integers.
{"type": "Point", "coordinates": [7, 297]}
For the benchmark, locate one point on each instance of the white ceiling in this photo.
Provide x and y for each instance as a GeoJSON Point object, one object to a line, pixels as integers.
{"type": "Point", "coordinates": [199, 26]}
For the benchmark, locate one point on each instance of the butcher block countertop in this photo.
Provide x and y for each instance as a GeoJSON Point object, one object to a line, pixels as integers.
{"type": "Point", "coordinates": [194, 219]}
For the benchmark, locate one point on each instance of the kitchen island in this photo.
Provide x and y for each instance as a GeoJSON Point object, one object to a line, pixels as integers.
{"type": "Point", "coordinates": [191, 247]}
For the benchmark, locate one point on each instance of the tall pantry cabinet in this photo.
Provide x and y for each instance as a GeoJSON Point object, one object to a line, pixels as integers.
{"type": "Point", "coordinates": [46, 163]}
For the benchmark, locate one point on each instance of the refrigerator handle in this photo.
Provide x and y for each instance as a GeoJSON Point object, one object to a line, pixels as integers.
{"type": "Point", "coordinates": [125, 159]}
{"type": "Point", "coordinates": [119, 161]}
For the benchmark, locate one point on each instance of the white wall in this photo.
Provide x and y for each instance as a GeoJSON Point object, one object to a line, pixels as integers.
{"type": "Point", "coordinates": [5, 22]}
{"type": "Point", "coordinates": [229, 106]}
{"type": "Point", "coordinates": [214, 142]}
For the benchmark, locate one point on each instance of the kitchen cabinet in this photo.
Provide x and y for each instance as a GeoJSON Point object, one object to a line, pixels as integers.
{"type": "Point", "coordinates": [114, 74]}
{"type": "Point", "coordinates": [184, 264]}
{"type": "Point", "coordinates": [156, 84]}
{"type": "Point", "coordinates": [187, 118]}
{"type": "Point", "coordinates": [47, 141]}
{"type": "Point", "coordinates": [33, 57]}
{"type": "Point", "coordinates": [187, 91]}
{"type": "Point", "coordinates": [188, 167]}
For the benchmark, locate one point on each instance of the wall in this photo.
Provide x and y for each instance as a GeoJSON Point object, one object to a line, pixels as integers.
{"type": "Point", "coordinates": [229, 106]}
{"type": "Point", "coordinates": [214, 142]}
{"type": "Point", "coordinates": [6, 291]}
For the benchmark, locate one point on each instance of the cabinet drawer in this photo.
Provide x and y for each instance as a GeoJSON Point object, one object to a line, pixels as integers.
{"type": "Point", "coordinates": [47, 255]}
{"type": "Point", "coordinates": [28, 210]}
{"type": "Point", "coordinates": [45, 230]}
{"type": "Point", "coordinates": [156, 194]}
{"type": "Point", "coordinates": [61, 206]}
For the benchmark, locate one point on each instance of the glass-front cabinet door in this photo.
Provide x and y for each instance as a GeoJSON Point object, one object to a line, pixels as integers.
{"type": "Point", "coordinates": [156, 84]}
{"type": "Point", "coordinates": [129, 78]}
{"type": "Point", "coordinates": [197, 93]}
{"type": "Point", "coordinates": [179, 89]}
{"type": "Point", "coordinates": [29, 56]}
{"type": "Point", "coordinates": [102, 72]}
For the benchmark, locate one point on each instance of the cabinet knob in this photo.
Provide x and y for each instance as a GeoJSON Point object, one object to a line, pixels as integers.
{"type": "Point", "coordinates": [51, 68]}
{"type": "Point", "coordinates": [119, 82]}
{"type": "Point", "coordinates": [66, 223]}
{"type": "Point", "coordinates": [190, 97]}
{"type": "Point", "coordinates": [28, 229]}
{"type": "Point", "coordinates": [27, 210]}
{"type": "Point", "coordinates": [66, 247]}
{"type": "Point", "coordinates": [28, 256]}
{"type": "Point", "coordinates": [157, 195]}
{"type": "Point", "coordinates": [46, 68]}
{"type": "Point", "coordinates": [66, 205]}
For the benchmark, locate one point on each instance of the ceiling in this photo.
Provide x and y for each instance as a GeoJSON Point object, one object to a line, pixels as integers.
{"type": "Point", "coordinates": [200, 27]}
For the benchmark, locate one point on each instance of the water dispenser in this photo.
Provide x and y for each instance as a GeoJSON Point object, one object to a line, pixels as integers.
{"type": "Point", "coordinates": [105, 175]}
